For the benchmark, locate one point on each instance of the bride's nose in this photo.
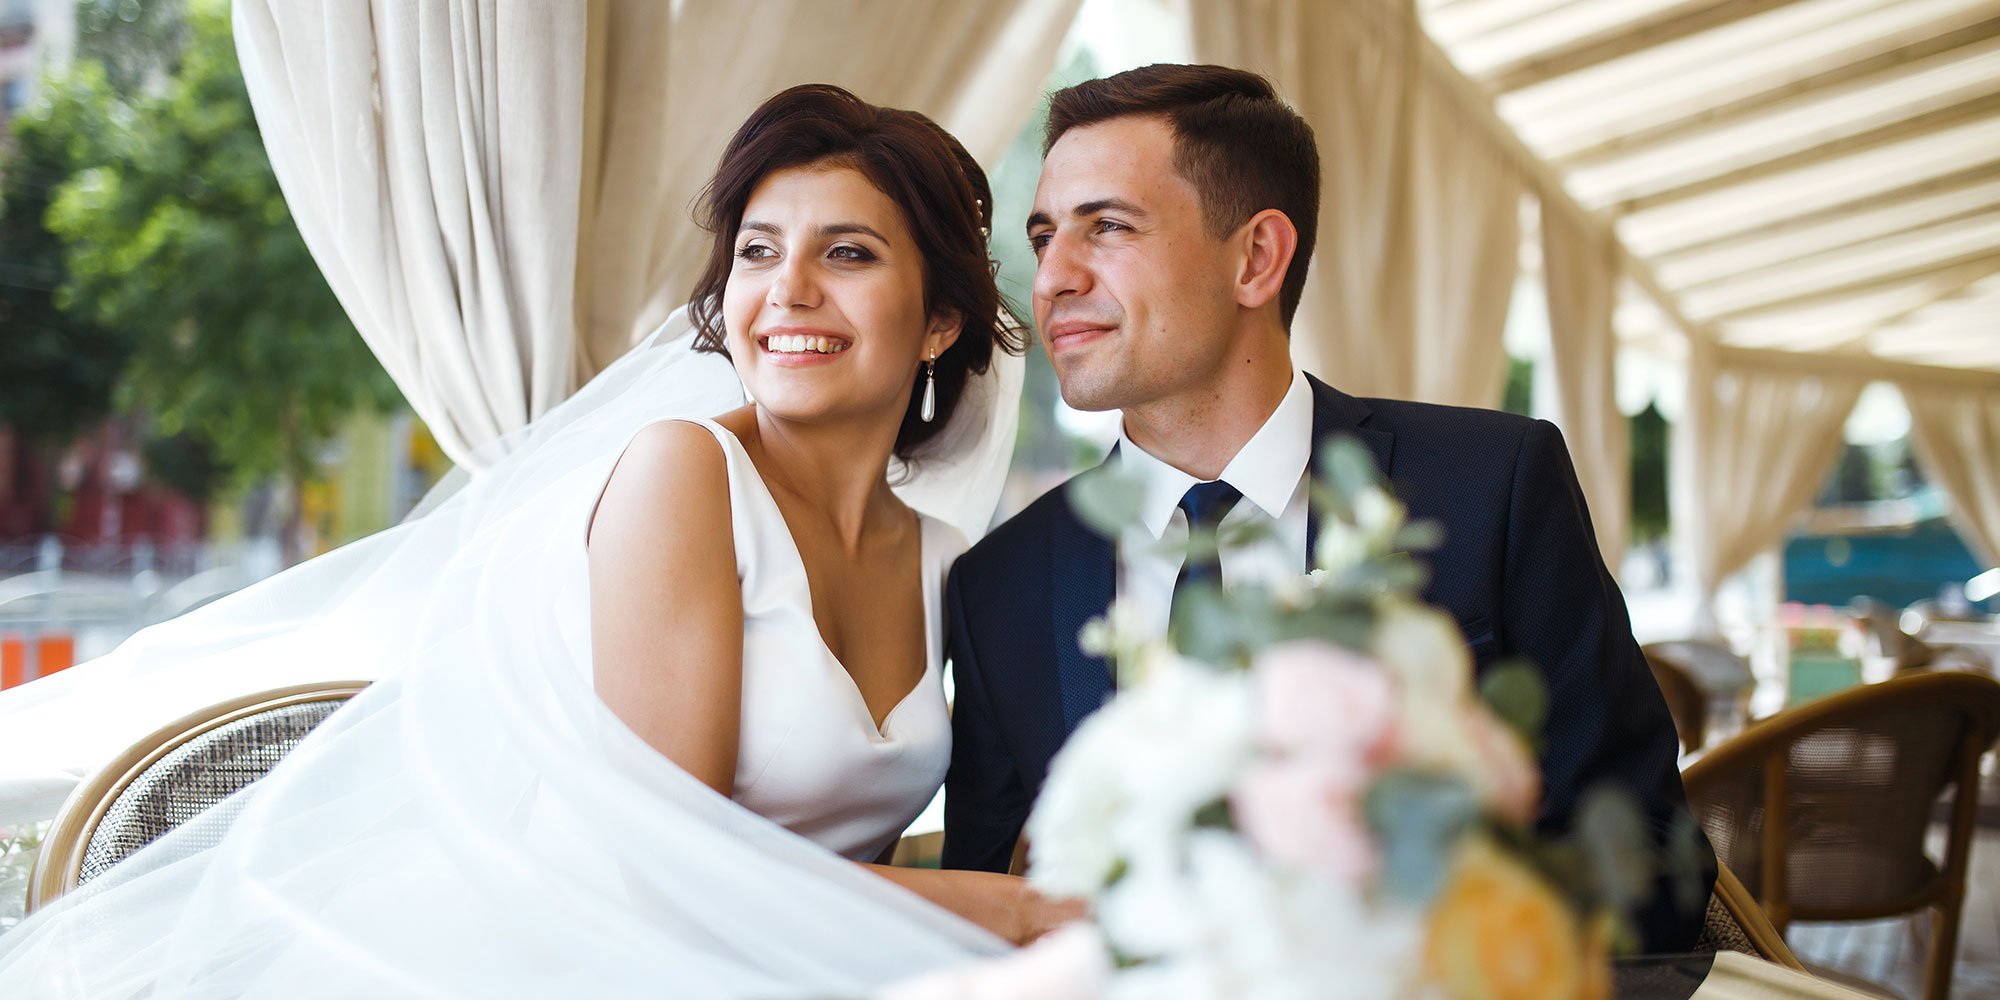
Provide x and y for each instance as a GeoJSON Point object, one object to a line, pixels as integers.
{"type": "Point", "coordinates": [794, 285]}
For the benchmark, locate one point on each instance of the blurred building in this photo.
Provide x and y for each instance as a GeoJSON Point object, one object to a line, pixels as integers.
{"type": "Point", "coordinates": [34, 34]}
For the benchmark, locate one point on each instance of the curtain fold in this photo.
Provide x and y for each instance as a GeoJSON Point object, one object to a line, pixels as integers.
{"type": "Point", "coordinates": [1581, 270]}
{"type": "Point", "coordinates": [1752, 448]}
{"type": "Point", "coordinates": [1956, 432]}
{"type": "Point", "coordinates": [498, 190]}
{"type": "Point", "coordinates": [1418, 226]}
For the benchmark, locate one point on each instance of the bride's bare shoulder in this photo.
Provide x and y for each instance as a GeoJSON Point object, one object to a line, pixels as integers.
{"type": "Point", "coordinates": [675, 466]}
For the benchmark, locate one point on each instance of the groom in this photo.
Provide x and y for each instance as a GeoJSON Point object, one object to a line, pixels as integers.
{"type": "Point", "coordinates": [1172, 227]}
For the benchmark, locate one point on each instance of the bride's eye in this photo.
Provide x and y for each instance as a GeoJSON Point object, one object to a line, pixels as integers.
{"type": "Point", "coordinates": [755, 251]}
{"type": "Point", "coordinates": [848, 251]}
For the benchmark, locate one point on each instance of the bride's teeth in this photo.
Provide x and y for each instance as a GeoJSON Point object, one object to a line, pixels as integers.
{"type": "Point", "coordinates": [819, 345]}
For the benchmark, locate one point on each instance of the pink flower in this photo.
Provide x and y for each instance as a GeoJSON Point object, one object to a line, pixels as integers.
{"type": "Point", "coordinates": [1513, 781]}
{"type": "Point", "coordinates": [1069, 963]}
{"type": "Point", "coordinates": [1305, 813]}
{"type": "Point", "coordinates": [1318, 700]}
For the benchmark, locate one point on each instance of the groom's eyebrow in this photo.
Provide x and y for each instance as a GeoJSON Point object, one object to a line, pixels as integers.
{"type": "Point", "coordinates": [1095, 206]}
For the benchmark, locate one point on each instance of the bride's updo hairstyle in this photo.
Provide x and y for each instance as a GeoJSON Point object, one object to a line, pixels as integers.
{"type": "Point", "coordinates": [945, 201]}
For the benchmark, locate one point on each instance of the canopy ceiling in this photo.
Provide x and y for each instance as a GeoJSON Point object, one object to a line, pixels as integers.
{"type": "Point", "coordinates": [1815, 176]}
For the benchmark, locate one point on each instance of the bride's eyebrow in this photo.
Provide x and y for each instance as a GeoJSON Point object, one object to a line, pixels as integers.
{"type": "Point", "coordinates": [831, 229]}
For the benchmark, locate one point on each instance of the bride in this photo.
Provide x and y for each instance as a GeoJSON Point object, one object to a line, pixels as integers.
{"type": "Point", "coordinates": [657, 690]}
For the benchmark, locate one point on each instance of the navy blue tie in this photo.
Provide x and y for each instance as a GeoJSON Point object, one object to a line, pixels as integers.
{"type": "Point", "coordinates": [1205, 505]}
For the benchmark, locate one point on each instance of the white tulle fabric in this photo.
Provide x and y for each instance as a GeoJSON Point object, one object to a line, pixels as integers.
{"type": "Point", "coordinates": [476, 823]}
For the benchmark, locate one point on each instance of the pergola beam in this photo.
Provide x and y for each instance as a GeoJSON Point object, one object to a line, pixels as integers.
{"type": "Point", "coordinates": [1948, 271]}
{"type": "Point", "coordinates": [1838, 79]}
{"type": "Point", "coordinates": [1727, 272]}
{"type": "Point", "coordinates": [1861, 363]}
{"type": "Point", "coordinates": [1959, 181]}
{"type": "Point", "coordinates": [1623, 40]}
{"type": "Point", "coordinates": [1974, 109]}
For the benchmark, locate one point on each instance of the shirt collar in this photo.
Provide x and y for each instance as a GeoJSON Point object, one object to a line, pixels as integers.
{"type": "Point", "coordinates": [1267, 469]}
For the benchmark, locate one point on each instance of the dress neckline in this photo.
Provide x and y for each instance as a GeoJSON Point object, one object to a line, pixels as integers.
{"type": "Point", "coordinates": [734, 444]}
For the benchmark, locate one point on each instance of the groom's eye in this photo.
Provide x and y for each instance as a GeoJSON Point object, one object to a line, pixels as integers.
{"type": "Point", "coordinates": [1107, 225]}
{"type": "Point", "coordinates": [1039, 242]}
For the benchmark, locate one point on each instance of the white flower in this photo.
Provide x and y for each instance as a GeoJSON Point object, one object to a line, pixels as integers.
{"type": "Point", "coordinates": [1237, 928]}
{"type": "Point", "coordinates": [1127, 785]}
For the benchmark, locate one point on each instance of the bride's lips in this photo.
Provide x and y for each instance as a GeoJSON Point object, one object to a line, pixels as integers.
{"type": "Point", "coordinates": [837, 342]}
{"type": "Point", "coordinates": [1071, 334]}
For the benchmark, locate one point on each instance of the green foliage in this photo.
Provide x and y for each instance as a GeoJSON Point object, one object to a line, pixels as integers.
{"type": "Point", "coordinates": [136, 42]}
{"type": "Point", "coordinates": [181, 238]}
{"type": "Point", "coordinates": [1649, 440]}
{"type": "Point", "coordinates": [1417, 816]}
{"type": "Point", "coordinates": [1515, 693]}
{"type": "Point", "coordinates": [60, 368]}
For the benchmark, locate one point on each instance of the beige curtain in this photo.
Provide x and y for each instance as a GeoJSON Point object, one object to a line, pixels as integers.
{"type": "Point", "coordinates": [1581, 272]}
{"type": "Point", "coordinates": [1751, 449]}
{"type": "Point", "coordinates": [1956, 432]}
{"type": "Point", "coordinates": [1418, 225]}
{"type": "Point", "coordinates": [497, 190]}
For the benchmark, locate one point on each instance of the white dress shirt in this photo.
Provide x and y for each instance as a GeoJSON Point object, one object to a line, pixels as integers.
{"type": "Point", "coordinates": [1270, 472]}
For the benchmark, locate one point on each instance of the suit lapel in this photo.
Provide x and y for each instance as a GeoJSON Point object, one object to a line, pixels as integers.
{"type": "Point", "coordinates": [1335, 412]}
{"type": "Point", "coordinates": [1083, 570]}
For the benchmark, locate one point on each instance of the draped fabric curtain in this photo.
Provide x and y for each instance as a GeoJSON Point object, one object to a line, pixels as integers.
{"type": "Point", "coordinates": [1956, 432]}
{"type": "Point", "coordinates": [1750, 451]}
{"type": "Point", "coordinates": [1581, 270]}
{"type": "Point", "coordinates": [497, 190]}
{"type": "Point", "coordinates": [1418, 224]}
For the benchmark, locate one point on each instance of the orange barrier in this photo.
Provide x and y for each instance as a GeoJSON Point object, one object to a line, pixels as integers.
{"type": "Point", "coordinates": [13, 660]}
{"type": "Point", "coordinates": [53, 653]}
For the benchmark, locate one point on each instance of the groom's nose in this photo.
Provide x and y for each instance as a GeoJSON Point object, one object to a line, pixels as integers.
{"type": "Point", "coordinates": [1061, 269]}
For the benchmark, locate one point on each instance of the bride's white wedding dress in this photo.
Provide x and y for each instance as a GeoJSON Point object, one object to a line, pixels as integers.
{"type": "Point", "coordinates": [477, 823]}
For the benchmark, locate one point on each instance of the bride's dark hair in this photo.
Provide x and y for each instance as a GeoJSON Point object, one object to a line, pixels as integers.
{"type": "Point", "coordinates": [944, 198]}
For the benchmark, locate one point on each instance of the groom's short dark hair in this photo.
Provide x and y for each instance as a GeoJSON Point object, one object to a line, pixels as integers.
{"type": "Point", "coordinates": [1242, 148]}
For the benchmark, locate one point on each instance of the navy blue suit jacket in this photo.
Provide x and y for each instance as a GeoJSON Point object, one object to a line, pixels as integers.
{"type": "Point", "coordinates": [1519, 569]}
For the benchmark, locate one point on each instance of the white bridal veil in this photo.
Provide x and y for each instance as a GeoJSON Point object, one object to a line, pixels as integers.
{"type": "Point", "coordinates": [476, 823]}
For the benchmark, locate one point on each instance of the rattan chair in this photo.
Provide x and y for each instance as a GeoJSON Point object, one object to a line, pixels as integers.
{"type": "Point", "coordinates": [1822, 810]}
{"type": "Point", "coordinates": [1735, 922]}
{"type": "Point", "coordinates": [171, 776]}
{"type": "Point", "coordinates": [1685, 700]}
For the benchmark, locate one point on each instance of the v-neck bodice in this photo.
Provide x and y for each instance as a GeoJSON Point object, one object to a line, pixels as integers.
{"type": "Point", "coordinates": [810, 756]}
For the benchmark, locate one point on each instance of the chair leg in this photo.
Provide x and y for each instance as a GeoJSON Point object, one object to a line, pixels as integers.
{"type": "Point", "coordinates": [1944, 951]}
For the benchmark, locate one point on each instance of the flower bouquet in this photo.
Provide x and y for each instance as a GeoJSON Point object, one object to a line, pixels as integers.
{"type": "Point", "coordinates": [1300, 793]}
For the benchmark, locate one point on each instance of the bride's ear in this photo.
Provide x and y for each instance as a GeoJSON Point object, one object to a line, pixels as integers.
{"type": "Point", "coordinates": [943, 331]}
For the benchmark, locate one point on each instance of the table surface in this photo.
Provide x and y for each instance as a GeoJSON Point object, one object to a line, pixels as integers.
{"type": "Point", "coordinates": [1728, 975]}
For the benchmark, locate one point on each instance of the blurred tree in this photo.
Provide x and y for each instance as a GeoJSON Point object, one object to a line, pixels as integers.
{"type": "Point", "coordinates": [1519, 396]}
{"type": "Point", "coordinates": [137, 42]}
{"type": "Point", "coordinates": [183, 240]}
{"type": "Point", "coordinates": [1649, 442]}
{"type": "Point", "coordinates": [60, 368]}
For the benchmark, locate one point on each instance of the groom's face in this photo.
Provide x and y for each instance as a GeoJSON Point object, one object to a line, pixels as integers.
{"type": "Point", "coordinates": [1134, 299]}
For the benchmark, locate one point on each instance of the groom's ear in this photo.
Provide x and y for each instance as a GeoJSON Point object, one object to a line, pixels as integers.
{"type": "Point", "coordinates": [1267, 242]}
{"type": "Point", "coordinates": [943, 331]}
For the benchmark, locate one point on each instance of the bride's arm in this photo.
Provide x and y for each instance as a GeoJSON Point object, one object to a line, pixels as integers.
{"type": "Point", "coordinates": [1003, 904]}
{"type": "Point", "coordinates": [666, 608]}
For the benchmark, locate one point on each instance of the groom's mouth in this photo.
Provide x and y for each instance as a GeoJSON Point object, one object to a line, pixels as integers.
{"type": "Point", "coordinates": [1072, 334]}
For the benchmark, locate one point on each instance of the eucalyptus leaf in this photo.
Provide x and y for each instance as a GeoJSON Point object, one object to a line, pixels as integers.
{"type": "Point", "coordinates": [1513, 689]}
{"type": "Point", "coordinates": [1419, 536]}
{"type": "Point", "coordinates": [1616, 848]}
{"type": "Point", "coordinates": [1418, 817]}
{"type": "Point", "coordinates": [1107, 500]}
{"type": "Point", "coordinates": [1688, 857]}
{"type": "Point", "coordinates": [1349, 466]}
